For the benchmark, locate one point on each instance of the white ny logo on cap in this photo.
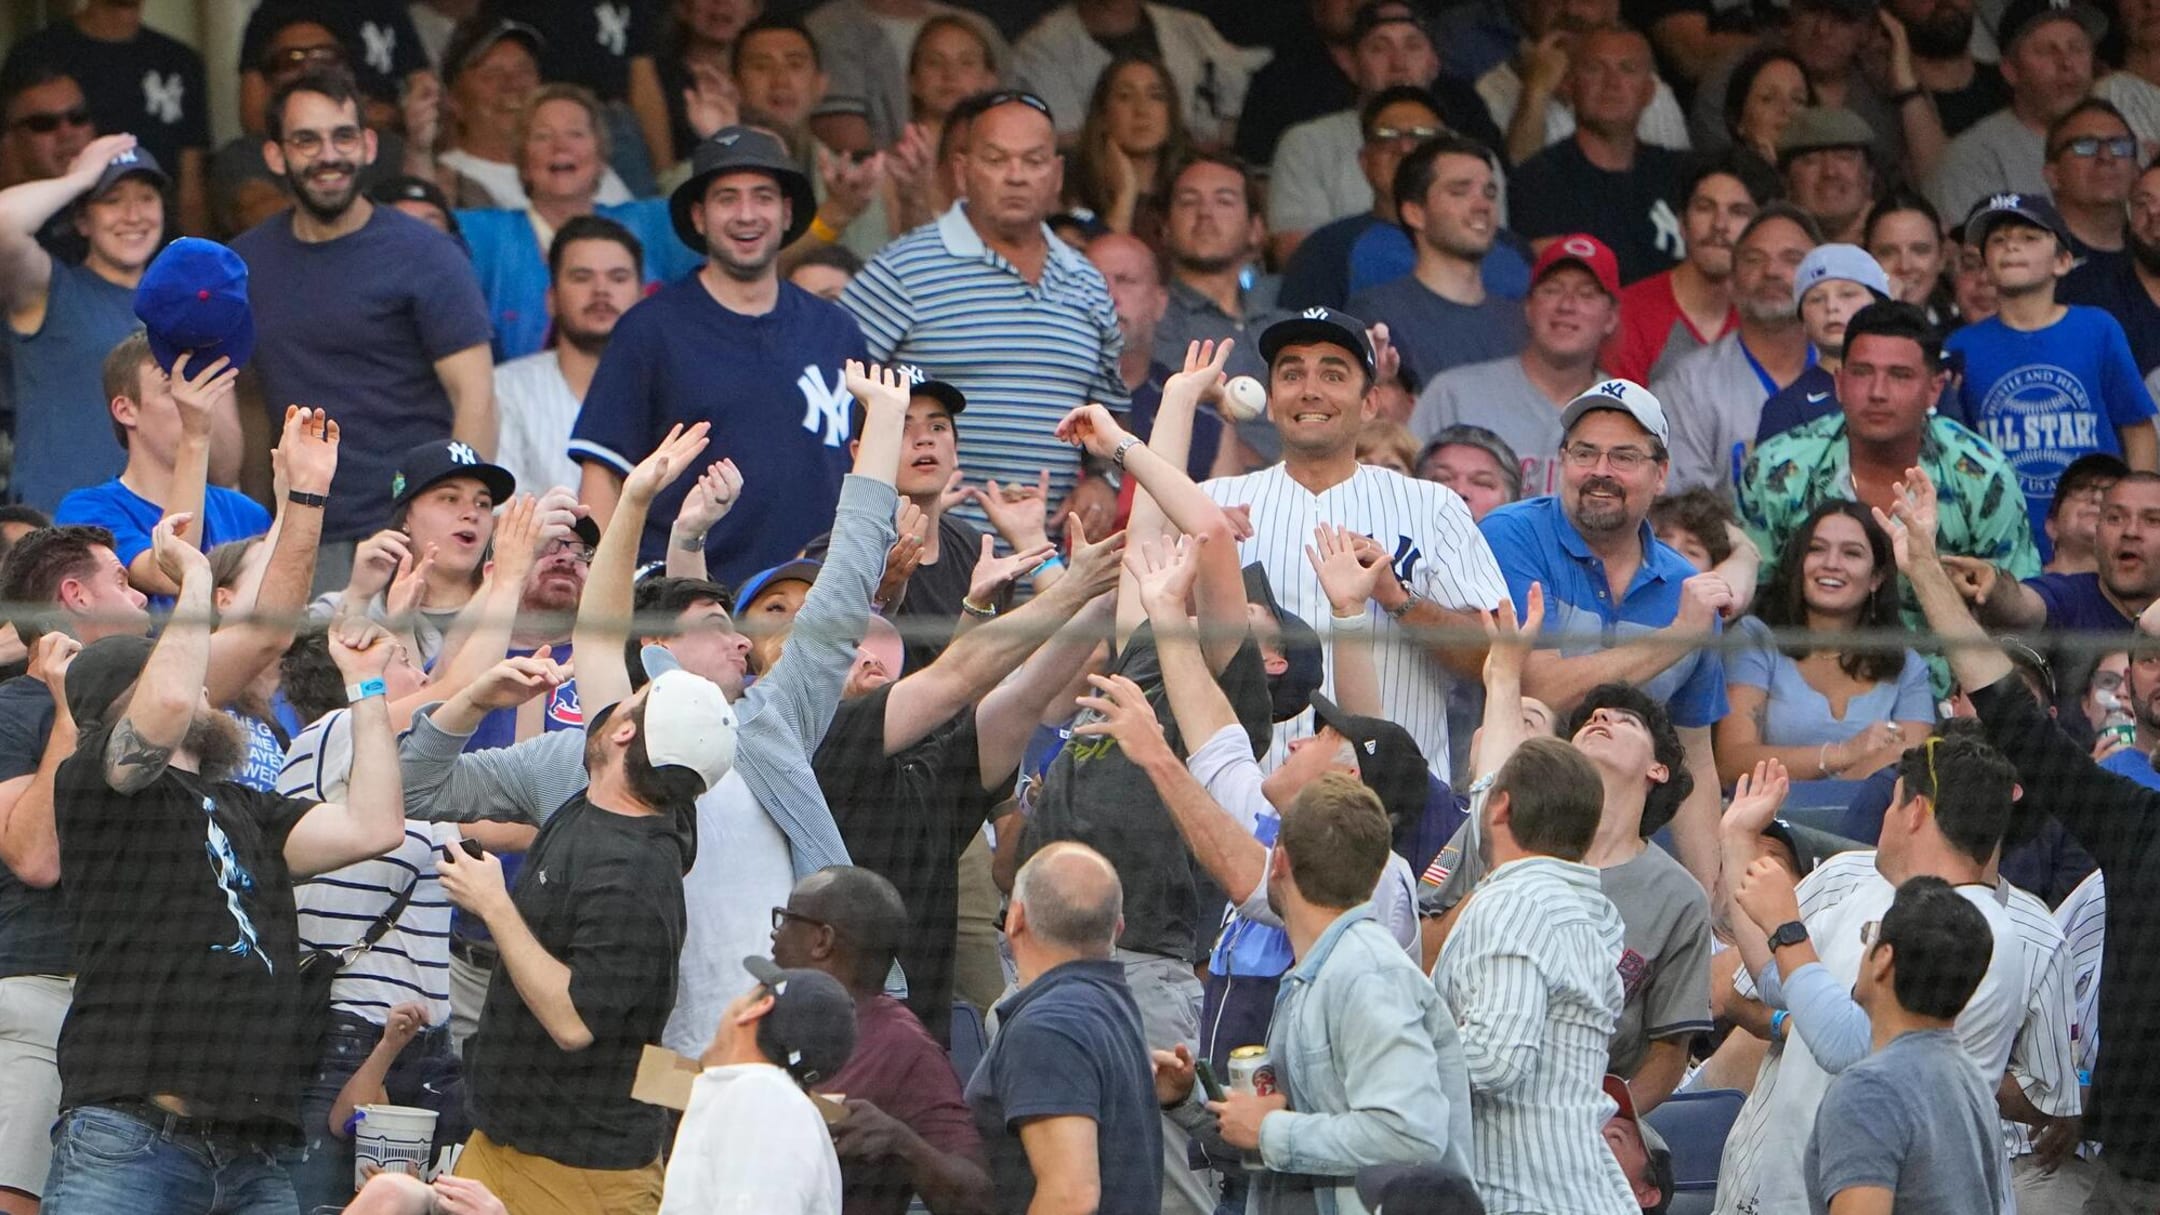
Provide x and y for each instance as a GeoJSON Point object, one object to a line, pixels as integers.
{"type": "Point", "coordinates": [1316, 314]}
{"type": "Point", "coordinates": [462, 454]}
{"type": "Point", "coordinates": [912, 373]}
{"type": "Point", "coordinates": [2010, 202]}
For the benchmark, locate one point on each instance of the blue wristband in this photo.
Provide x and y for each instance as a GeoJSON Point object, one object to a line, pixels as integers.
{"type": "Point", "coordinates": [1777, 1024]}
{"type": "Point", "coordinates": [357, 692]}
{"type": "Point", "coordinates": [1052, 562]}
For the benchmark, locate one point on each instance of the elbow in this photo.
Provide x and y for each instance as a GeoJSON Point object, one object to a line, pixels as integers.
{"type": "Point", "coordinates": [385, 836]}
{"type": "Point", "coordinates": [40, 870]}
{"type": "Point", "coordinates": [571, 1038]}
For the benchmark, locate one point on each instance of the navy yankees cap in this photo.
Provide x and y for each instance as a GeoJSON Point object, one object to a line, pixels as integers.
{"type": "Point", "coordinates": [1320, 325]}
{"type": "Point", "coordinates": [438, 460]}
{"type": "Point", "coordinates": [2036, 210]}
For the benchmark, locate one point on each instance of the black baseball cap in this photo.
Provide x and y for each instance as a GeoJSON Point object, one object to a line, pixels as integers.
{"type": "Point", "coordinates": [407, 188]}
{"type": "Point", "coordinates": [1329, 325]}
{"type": "Point", "coordinates": [100, 673]}
{"type": "Point", "coordinates": [1372, 16]}
{"type": "Point", "coordinates": [1996, 210]}
{"type": "Point", "coordinates": [919, 385]}
{"type": "Point", "coordinates": [1289, 693]}
{"type": "Point", "coordinates": [810, 1031]}
{"type": "Point", "coordinates": [741, 149]}
{"type": "Point", "coordinates": [1388, 759]}
{"type": "Point", "coordinates": [2021, 17]}
{"type": "Point", "coordinates": [439, 460]}
{"type": "Point", "coordinates": [477, 36]}
{"type": "Point", "coordinates": [1417, 1189]}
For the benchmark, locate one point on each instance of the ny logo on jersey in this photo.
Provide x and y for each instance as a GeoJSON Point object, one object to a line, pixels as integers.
{"type": "Point", "coordinates": [825, 407]}
{"type": "Point", "coordinates": [1406, 558]}
{"type": "Point", "coordinates": [614, 23]}
{"type": "Point", "coordinates": [462, 454]}
{"type": "Point", "coordinates": [1668, 240]}
{"type": "Point", "coordinates": [379, 43]}
{"type": "Point", "coordinates": [162, 96]}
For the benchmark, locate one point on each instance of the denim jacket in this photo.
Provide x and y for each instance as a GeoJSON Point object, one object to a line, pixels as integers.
{"type": "Point", "coordinates": [1366, 1052]}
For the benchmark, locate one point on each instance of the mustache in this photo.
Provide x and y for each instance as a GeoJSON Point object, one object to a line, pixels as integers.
{"type": "Point", "coordinates": [1603, 485]}
{"type": "Point", "coordinates": [323, 167]}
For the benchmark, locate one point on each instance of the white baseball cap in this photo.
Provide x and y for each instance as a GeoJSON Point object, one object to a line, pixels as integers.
{"type": "Point", "coordinates": [1626, 396]}
{"type": "Point", "coordinates": [1850, 262]}
{"type": "Point", "coordinates": [689, 722]}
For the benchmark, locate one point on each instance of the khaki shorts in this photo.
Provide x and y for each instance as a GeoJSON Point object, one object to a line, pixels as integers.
{"type": "Point", "coordinates": [31, 1010]}
{"type": "Point", "coordinates": [535, 1185]}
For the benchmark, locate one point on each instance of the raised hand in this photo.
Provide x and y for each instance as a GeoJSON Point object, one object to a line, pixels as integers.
{"type": "Point", "coordinates": [669, 460]}
{"type": "Point", "coordinates": [713, 495]}
{"type": "Point", "coordinates": [361, 648]}
{"type": "Point", "coordinates": [877, 388]}
{"type": "Point", "coordinates": [474, 883]}
{"type": "Point", "coordinates": [1019, 513]}
{"type": "Point", "coordinates": [902, 559]}
{"type": "Point", "coordinates": [89, 164]}
{"type": "Point", "coordinates": [1094, 501]}
{"type": "Point", "coordinates": [1704, 599]}
{"type": "Point", "coordinates": [992, 573]}
{"type": "Point", "coordinates": [1125, 715]}
{"type": "Point", "coordinates": [408, 590]}
{"type": "Point", "coordinates": [954, 493]}
{"type": "Point", "coordinates": [1093, 428]}
{"type": "Point", "coordinates": [1347, 581]}
{"type": "Point", "coordinates": [519, 533]}
{"type": "Point", "coordinates": [1202, 376]}
{"type": "Point", "coordinates": [1766, 896]}
{"type": "Point", "coordinates": [1507, 642]}
{"type": "Point", "coordinates": [1912, 520]}
{"type": "Point", "coordinates": [513, 681]}
{"type": "Point", "coordinates": [1091, 567]}
{"type": "Point", "coordinates": [196, 396]}
{"type": "Point", "coordinates": [710, 100]}
{"type": "Point", "coordinates": [1387, 360]}
{"type": "Point", "coordinates": [49, 661]}
{"type": "Point", "coordinates": [176, 555]}
{"type": "Point", "coordinates": [404, 1024]}
{"type": "Point", "coordinates": [1240, 517]}
{"type": "Point", "coordinates": [1174, 1075]}
{"type": "Point", "coordinates": [850, 184]}
{"type": "Point", "coordinates": [309, 447]}
{"type": "Point", "coordinates": [558, 512]}
{"type": "Point", "coordinates": [376, 561]}
{"type": "Point", "coordinates": [1165, 577]}
{"type": "Point", "coordinates": [421, 110]}
{"type": "Point", "coordinates": [1755, 800]}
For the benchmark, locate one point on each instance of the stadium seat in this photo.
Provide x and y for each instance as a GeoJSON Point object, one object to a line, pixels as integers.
{"type": "Point", "coordinates": [1694, 1126]}
{"type": "Point", "coordinates": [969, 1039]}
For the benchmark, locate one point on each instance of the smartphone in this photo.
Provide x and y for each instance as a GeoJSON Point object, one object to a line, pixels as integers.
{"type": "Point", "coordinates": [1208, 1083]}
{"type": "Point", "coordinates": [473, 849]}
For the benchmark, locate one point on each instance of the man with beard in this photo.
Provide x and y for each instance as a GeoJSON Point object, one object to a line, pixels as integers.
{"type": "Point", "coordinates": [785, 412]}
{"type": "Point", "coordinates": [593, 278]}
{"type": "Point", "coordinates": [2141, 695]}
{"type": "Point", "coordinates": [1677, 311]}
{"type": "Point", "coordinates": [1213, 236]}
{"type": "Point", "coordinates": [1715, 396]}
{"type": "Point", "coordinates": [1939, 32]}
{"type": "Point", "coordinates": [1834, 282]}
{"type": "Point", "coordinates": [401, 344]}
{"type": "Point", "coordinates": [2047, 60]}
{"type": "Point", "coordinates": [1571, 310]}
{"type": "Point", "coordinates": [1887, 386]}
{"type": "Point", "coordinates": [1440, 314]}
{"type": "Point", "coordinates": [180, 900]}
{"type": "Point", "coordinates": [2126, 287]}
{"type": "Point", "coordinates": [1605, 181]}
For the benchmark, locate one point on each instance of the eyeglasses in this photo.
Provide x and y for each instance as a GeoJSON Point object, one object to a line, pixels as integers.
{"type": "Point", "coordinates": [1010, 96]}
{"type": "Point", "coordinates": [345, 141]}
{"type": "Point", "coordinates": [2085, 147]}
{"type": "Point", "coordinates": [302, 56]}
{"type": "Point", "coordinates": [1393, 134]}
{"type": "Point", "coordinates": [2107, 681]}
{"type": "Point", "coordinates": [1624, 459]}
{"type": "Point", "coordinates": [52, 120]}
{"type": "Point", "coordinates": [781, 916]}
{"type": "Point", "coordinates": [579, 551]}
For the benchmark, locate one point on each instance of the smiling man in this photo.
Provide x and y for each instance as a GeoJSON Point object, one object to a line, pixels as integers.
{"type": "Point", "coordinates": [785, 408]}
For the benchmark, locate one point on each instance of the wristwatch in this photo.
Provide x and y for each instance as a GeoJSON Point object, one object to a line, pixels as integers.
{"type": "Point", "coordinates": [1792, 932]}
{"type": "Point", "coordinates": [318, 501]}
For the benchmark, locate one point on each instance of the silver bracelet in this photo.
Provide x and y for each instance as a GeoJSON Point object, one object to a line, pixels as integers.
{"type": "Point", "coordinates": [1126, 444]}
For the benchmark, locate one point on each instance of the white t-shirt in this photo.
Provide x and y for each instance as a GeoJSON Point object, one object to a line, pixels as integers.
{"type": "Point", "coordinates": [1435, 548]}
{"type": "Point", "coordinates": [751, 1141]}
{"type": "Point", "coordinates": [537, 410]}
{"type": "Point", "coordinates": [744, 869]}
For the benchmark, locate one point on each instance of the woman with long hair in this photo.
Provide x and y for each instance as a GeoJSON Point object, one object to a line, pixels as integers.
{"type": "Point", "coordinates": [1826, 711]}
{"type": "Point", "coordinates": [1904, 233]}
{"type": "Point", "coordinates": [1132, 141]}
{"type": "Point", "coordinates": [1768, 88]}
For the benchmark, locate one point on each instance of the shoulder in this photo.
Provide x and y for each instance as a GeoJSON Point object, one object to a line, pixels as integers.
{"type": "Point", "coordinates": [1521, 522]}
{"type": "Point", "coordinates": [90, 504]}
{"type": "Point", "coordinates": [1646, 292]}
{"type": "Point", "coordinates": [1477, 375]}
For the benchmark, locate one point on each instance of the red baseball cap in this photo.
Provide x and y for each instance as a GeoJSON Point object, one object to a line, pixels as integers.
{"type": "Point", "coordinates": [1586, 251]}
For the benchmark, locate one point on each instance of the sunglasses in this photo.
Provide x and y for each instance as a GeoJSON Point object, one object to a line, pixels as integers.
{"type": "Point", "coordinates": [303, 56]}
{"type": "Point", "coordinates": [2085, 147]}
{"type": "Point", "coordinates": [52, 120]}
{"type": "Point", "coordinates": [1009, 96]}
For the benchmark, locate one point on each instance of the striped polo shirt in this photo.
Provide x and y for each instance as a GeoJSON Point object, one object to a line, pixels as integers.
{"type": "Point", "coordinates": [1024, 353]}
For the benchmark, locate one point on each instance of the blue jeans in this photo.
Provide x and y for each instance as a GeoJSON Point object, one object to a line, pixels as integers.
{"type": "Point", "coordinates": [422, 1076]}
{"type": "Point", "coordinates": [106, 1161]}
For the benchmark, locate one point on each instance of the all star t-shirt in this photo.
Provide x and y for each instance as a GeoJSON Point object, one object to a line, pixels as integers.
{"type": "Point", "coordinates": [180, 906]}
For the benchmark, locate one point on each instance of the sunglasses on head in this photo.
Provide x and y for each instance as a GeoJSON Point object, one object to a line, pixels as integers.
{"type": "Point", "coordinates": [1022, 96]}
{"type": "Point", "coordinates": [52, 120]}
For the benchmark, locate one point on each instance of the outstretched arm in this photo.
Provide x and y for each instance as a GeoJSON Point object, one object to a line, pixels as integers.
{"type": "Point", "coordinates": [198, 396]}
{"type": "Point", "coordinates": [171, 685]}
{"type": "Point", "coordinates": [604, 609]}
{"type": "Point", "coordinates": [307, 453]}
{"type": "Point", "coordinates": [371, 819]}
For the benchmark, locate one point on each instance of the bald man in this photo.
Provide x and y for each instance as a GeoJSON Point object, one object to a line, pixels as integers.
{"type": "Point", "coordinates": [1067, 1084]}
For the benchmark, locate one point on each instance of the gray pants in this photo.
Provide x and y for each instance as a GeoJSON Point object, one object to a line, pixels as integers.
{"type": "Point", "coordinates": [2115, 1194]}
{"type": "Point", "coordinates": [1168, 993]}
{"type": "Point", "coordinates": [2062, 1192]}
{"type": "Point", "coordinates": [468, 991]}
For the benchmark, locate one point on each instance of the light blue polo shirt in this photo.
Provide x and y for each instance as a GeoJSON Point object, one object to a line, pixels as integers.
{"type": "Point", "coordinates": [1534, 542]}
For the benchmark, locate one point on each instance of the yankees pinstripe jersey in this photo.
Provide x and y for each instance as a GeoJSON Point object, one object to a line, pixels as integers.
{"type": "Point", "coordinates": [2020, 1012]}
{"type": "Point", "coordinates": [1532, 974]}
{"type": "Point", "coordinates": [2082, 917]}
{"type": "Point", "coordinates": [1023, 352]}
{"type": "Point", "coordinates": [1435, 548]}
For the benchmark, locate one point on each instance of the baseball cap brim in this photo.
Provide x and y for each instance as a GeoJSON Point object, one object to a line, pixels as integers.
{"type": "Point", "coordinates": [238, 345]}
{"type": "Point", "coordinates": [1310, 331]}
{"type": "Point", "coordinates": [765, 971]}
{"type": "Point", "coordinates": [801, 569]}
{"type": "Point", "coordinates": [500, 483]}
{"type": "Point", "coordinates": [689, 724]}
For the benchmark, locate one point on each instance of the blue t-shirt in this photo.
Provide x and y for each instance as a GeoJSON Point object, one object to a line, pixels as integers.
{"type": "Point", "coordinates": [1070, 1043]}
{"type": "Point", "coordinates": [2047, 397]}
{"type": "Point", "coordinates": [2075, 601]}
{"type": "Point", "coordinates": [265, 754]}
{"type": "Point", "coordinates": [1434, 333]}
{"type": "Point", "coordinates": [129, 516]}
{"type": "Point", "coordinates": [2136, 765]}
{"type": "Point", "coordinates": [1383, 253]}
{"type": "Point", "coordinates": [2112, 286]}
{"type": "Point", "coordinates": [1796, 715]}
{"type": "Point", "coordinates": [63, 423]}
{"type": "Point", "coordinates": [355, 325]}
{"type": "Point", "coordinates": [771, 385]}
{"type": "Point", "coordinates": [513, 272]}
{"type": "Point", "coordinates": [1534, 542]}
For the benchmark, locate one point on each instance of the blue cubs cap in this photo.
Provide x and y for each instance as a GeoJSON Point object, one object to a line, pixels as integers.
{"type": "Point", "coordinates": [193, 300]}
{"type": "Point", "coordinates": [1849, 262]}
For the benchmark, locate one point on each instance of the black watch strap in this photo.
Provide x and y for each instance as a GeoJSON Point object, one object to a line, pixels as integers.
{"type": "Point", "coordinates": [1791, 932]}
{"type": "Point", "coordinates": [318, 501]}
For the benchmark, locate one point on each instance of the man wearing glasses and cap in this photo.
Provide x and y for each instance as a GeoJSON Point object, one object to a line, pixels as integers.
{"type": "Point", "coordinates": [2047, 60]}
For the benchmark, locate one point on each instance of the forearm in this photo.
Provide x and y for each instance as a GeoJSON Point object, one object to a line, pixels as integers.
{"type": "Point", "coordinates": [1357, 682]}
{"type": "Point", "coordinates": [600, 488]}
{"type": "Point", "coordinates": [190, 480]}
{"type": "Point", "coordinates": [2012, 1103]}
{"type": "Point", "coordinates": [1007, 717]}
{"type": "Point", "coordinates": [2011, 605]}
{"type": "Point", "coordinates": [172, 681]}
{"type": "Point", "coordinates": [1661, 1072]}
{"type": "Point", "coordinates": [375, 793]}
{"type": "Point", "coordinates": [651, 108]}
{"type": "Point", "coordinates": [686, 555]}
{"type": "Point", "coordinates": [243, 648]}
{"type": "Point", "coordinates": [948, 1183]}
{"type": "Point", "coordinates": [366, 1086]}
{"type": "Point", "coordinates": [476, 640]}
{"type": "Point", "coordinates": [1925, 138]}
{"type": "Point", "coordinates": [1560, 682]}
{"type": "Point", "coordinates": [1429, 623]}
{"type": "Point", "coordinates": [1223, 846]}
{"type": "Point", "coordinates": [606, 604]}
{"type": "Point", "coordinates": [468, 378]}
{"type": "Point", "coordinates": [542, 981]}
{"type": "Point", "coordinates": [1825, 1016]}
{"type": "Point", "coordinates": [1501, 731]}
{"type": "Point", "coordinates": [982, 656]}
{"type": "Point", "coordinates": [1974, 665]}
{"type": "Point", "coordinates": [1197, 701]}
{"type": "Point", "coordinates": [29, 840]}
{"type": "Point", "coordinates": [1526, 129]}
{"type": "Point", "coordinates": [1695, 824]}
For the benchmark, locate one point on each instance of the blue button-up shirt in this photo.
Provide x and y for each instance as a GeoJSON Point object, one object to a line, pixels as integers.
{"type": "Point", "coordinates": [1534, 541]}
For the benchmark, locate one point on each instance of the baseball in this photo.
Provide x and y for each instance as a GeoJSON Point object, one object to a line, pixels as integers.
{"type": "Point", "coordinates": [1244, 399]}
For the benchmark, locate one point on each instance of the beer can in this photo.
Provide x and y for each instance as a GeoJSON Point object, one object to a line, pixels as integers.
{"type": "Point", "coordinates": [1252, 1070]}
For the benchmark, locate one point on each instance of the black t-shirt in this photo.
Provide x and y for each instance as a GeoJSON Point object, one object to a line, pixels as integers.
{"type": "Point", "coordinates": [2110, 282]}
{"type": "Point", "coordinates": [380, 42]}
{"type": "Point", "coordinates": [1093, 794]}
{"type": "Point", "coordinates": [1636, 211]}
{"type": "Point", "coordinates": [930, 610]}
{"type": "Point", "coordinates": [186, 943]}
{"type": "Point", "coordinates": [1982, 96]}
{"type": "Point", "coordinates": [602, 893]}
{"type": "Point", "coordinates": [1301, 82]}
{"type": "Point", "coordinates": [589, 42]}
{"type": "Point", "coordinates": [150, 86]}
{"type": "Point", "coordinates": [33, 922]}
{"type": "Point", "coordinates": [909, 817]}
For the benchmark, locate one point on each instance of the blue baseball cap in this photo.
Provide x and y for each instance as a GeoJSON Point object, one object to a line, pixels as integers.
{"type": "Point", "coordinates": [193, 300]}
{"type": "Point", "coordinates": [801, 569]}
{"type": "Point", "coordinates": [1849, 262]}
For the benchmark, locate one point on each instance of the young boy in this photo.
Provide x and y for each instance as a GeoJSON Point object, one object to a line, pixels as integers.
{"type": "Point", "coordinates": [2043, 381]}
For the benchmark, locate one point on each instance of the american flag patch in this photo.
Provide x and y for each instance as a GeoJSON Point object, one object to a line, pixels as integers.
{"type": "Point", "coordinates": [1436, 874]}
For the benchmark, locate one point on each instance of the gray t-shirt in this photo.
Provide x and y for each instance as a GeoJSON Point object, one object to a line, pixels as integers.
{"type": "Point", "coordinates": [1665, 966]}
{"type": "Point", "coordinates": [1497, 395]}
{"type": "Point", "coordinates": [1435, 333]}
{"type": "Point", "coordinates": [1713, 399]}
{"type": "Point", "coordinates": [1915, 1118]}
{"type": "Point", "coordinates": [1997, 153]}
